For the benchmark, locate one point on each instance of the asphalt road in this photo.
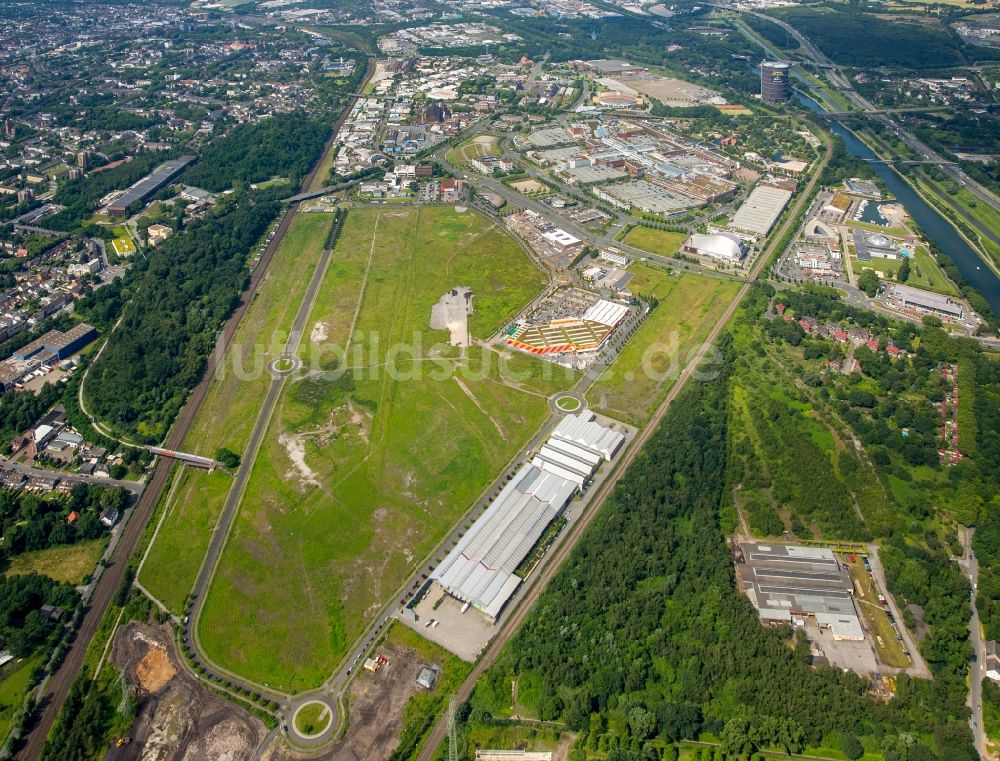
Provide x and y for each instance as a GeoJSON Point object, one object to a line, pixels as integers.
{"type": "Point", "coordinates": [842, 84]}
{"type": "Point", "coordinates": [970, 566]}
{"type": "Point", "coordinates": [521, 606]}
{"type": "Point", "coordinates": [58, 685]}
{"type": "Point", "coordinates": [135, 487]}
{"type": "Point", "coordinates": [221, 531]}
{"type": "Point", "coordinates": [919, 668]}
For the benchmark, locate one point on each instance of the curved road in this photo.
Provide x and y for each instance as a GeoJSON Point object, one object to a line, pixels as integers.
{"type": "Point", "coordinates": [522, 606]}
{"type": "Point", "coordinates": [842, 83]}
{"type": "Point", "coordinates": [57, 687]}
{"type": "Point", "coordinates": [232, 502]}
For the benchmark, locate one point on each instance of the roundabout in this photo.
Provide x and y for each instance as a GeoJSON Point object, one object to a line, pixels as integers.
{"type": "Point", "coordinates": [284, 365]}
{"type": "Point", "coordinates": [568, 403]}
{"type": "Point", "coordinates": [311, 721]}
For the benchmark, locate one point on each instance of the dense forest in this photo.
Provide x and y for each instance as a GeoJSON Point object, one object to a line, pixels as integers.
{"type": "Point", "coordinates": [22, 626]}
{"type": "Point", "coordinates": [642, 636]}
{"type": "Point", "coordinates": [865, 40]}
{"type": "Point", "coordinates": [704, 59]}
{"type": "Point", "coordinates": [279, 146]}
{"type": "Point", "coordinates": [182, 293]}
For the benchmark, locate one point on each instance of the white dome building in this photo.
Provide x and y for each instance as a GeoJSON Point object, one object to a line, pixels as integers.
{"type": "Point", "coordinates": [725, 247]}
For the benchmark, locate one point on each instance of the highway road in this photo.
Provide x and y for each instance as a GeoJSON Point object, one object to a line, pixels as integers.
{"type": "Point", "coordinates": [521, 606]}
{"type": "Point", "coordinates": [842, 83]}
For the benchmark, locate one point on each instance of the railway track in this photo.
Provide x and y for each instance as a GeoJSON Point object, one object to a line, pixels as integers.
{"type": "Point", "coordinates": [57, 687]}
{"type": "Point", "coordinates": [510, 625]}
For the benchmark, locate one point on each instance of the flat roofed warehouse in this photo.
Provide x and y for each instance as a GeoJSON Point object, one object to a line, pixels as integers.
{"type": "Point", "coordinates": [761, 210]}
{"type": "Point", "coordinates": [480, 569]}
{"type": "Point", "coordinates": [148, 185]}
{"type": "Point", "coordinates": [59, 343]}
{"type": "Point", "coordinates": [785, 582]}
{"type": "Point", "coordinates": [925, 301]}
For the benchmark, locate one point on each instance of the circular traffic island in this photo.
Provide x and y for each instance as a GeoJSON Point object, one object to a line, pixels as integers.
{"type": "Point", "coordinates": [284, 365]}
{"type": "Point", "coordinates": [568, 403]}
{"type": "Point", "coordinates": [312, 719]}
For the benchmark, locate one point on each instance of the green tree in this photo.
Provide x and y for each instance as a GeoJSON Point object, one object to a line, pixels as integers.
{"type": "Point", "coordinates": [868, 282]}
{"type": "Point", "coordinates": [641, 722]}
{"type": "Point", "coordinates": [851, 747]}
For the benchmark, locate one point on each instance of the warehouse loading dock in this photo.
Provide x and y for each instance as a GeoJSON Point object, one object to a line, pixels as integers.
{"type": "Point", "coordinates": [469, 589]}
{"type": "Point", "coordinates": [811, 588]}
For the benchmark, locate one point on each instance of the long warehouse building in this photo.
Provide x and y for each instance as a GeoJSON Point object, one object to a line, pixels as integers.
{"type": "Point", "coordinates": [786, 583]}
{"type": "Point", "coordinates": [480, 569]}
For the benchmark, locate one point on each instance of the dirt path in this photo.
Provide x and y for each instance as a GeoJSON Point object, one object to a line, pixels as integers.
{"type": "Point", "coordinates": [472, 398]}
{"type": "Point", "coordinates": [364, 285]}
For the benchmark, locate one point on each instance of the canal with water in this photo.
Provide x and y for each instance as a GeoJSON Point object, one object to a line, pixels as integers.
{"type": "Point", "coordinates": [933, 225]}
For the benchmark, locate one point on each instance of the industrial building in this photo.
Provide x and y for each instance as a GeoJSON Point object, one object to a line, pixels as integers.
{"type": "Point", "coordinates": [585, 433]}
{"type": "Point", "coordinates": [924, 302]}
{"type": "Point", "coordinates": [148, 185]}
{"type": "Point", "coordinates": [790, 584]}
{"type": "Point", "coordinates": [480, 569]}
{"type": "Point", "coordinates": [57, 343]}
{"type": "Point", "coordinates": [868, 245]}
{"type": "Point", "coordinates": [761, 210]}
{"type": "Point", "coordinates": [774, 82]}
{"type": "Point", "coordinates": [725, 247]}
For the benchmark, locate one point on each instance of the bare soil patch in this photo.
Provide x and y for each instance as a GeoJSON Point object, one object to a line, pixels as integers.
{"type": "Point", "coordinates": [178, 719]}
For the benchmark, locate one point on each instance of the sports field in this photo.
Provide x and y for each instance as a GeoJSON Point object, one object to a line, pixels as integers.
{"type": "Point", "coordinates": [662, 242]}
{"type": "Point", "coordinates": [228, 412]}
{"type": "Point", "coordinates": [363, 471]}
{"type": "Point", "coordinates": [473, 148]}
{"type": "Point", "coordinates": [631, 386]}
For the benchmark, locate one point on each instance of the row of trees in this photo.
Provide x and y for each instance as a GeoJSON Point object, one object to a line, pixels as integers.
{"type": "Point", "coordinates": [643, 635]}
{"type": "Point", "coordinates": [33, 522]}
{"type": "Point", "coordinates": [180, 296]}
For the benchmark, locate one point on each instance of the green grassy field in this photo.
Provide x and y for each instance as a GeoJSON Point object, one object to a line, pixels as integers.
{"type": "Point", "coordinates": [360, 474]}
{"type": "Point", "coordinates": [462, 153]}
{"type": "Point", "coordinates": [228, 412]}
{"type": "Point", "coordinates": [924, 272]}
{"type": "Point", "coordinates": [123, 246]}
{"type": "Point", "coordinates": [660, 242]}
{"type": "Point", "coordinates": [71, 563]}
{"type": "Point", "coordinates": [689, 306]}
{"type": "Point", "coordinates": [13, 685]}
{"type": "Point", "coordinates": [313, 718]}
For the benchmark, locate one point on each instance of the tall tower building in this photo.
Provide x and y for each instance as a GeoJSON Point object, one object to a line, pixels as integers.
{"type": "Point", "coordinates": [774, 84]}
